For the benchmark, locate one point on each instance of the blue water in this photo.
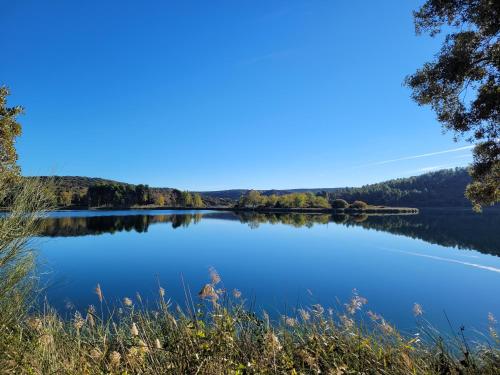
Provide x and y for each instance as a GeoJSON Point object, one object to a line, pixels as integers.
{"type": "Point", "coordinates": [392, 261]}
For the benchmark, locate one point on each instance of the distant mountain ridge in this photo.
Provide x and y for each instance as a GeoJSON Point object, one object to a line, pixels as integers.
{"type": "Point", "coordinates": [443, 188]}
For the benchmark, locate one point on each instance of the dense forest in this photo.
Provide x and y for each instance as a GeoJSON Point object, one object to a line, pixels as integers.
{"type": "Point", "coordinates": [443, 188]}
{"type": "Point", "coordinates": [72, 191]}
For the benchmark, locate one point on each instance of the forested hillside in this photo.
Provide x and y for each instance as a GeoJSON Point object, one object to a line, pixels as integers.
{"type": "Point", "coordinates": [83, 192]}
{"type": "Point", "coordinates": [443, 188]}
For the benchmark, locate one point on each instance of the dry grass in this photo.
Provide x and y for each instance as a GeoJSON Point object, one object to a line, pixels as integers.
{"type": "Point", "coordinates": [218, 335]}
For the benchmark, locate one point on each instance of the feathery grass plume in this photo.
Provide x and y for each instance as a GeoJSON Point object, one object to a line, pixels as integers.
{"type": "Point", "coordinates": [417, 309]}
{"type": "Point", "coordinates": [304, 315]}
{"type": "Point", "coordinates": [115, 358]}
{"type": "Point", "coordinates": [90, 316]}
{"type": "Point", "coordinates": [317, 310]}
{"type": "Point", "coordinates": [46, 340]}
{"type": "Point", "coordinates": [208, 291]}
{"type": "Point", "coordinates": [90, 320]}
{"type": "Point", "coordinates": [78, 321]}
{"type": "Point", "coordinates": [133, 330]}
{"type": "Point", "coordinates": [266, 319]}
{"type": "Point", "coordinates": [35, 324]}
{"type": "Point", "coordinates": [386, 327]}
{"type": "Point", "coordinates": [158, 344]}
{"type": "Point", "coordinates": [346, 321]}
{"type": "Point", "coordinates": [356, 303]}
{"type": "Point", "coordinates": [95, 354]}
{"type": "Point", "coordinates": [214, 276]}
{"type": "Point", "coordinates": [98, 291]}
{"type": "Point", "coordinates": [491, 318]}
{"type": "Point", "coordinates": [373, 316]}
{"type": "Point", "coordinates": [272, 342]}
{"type": "Point", "coordinates": [291, 322]}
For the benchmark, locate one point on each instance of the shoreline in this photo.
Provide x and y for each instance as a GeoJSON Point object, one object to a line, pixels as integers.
{"type": "Point", "coordinates": [263, 210]}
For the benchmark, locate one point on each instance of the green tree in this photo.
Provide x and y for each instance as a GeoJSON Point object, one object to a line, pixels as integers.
{"type": "Point", "coordinates": [339, 203]}
{"type": "Point", "coordinates": [159, 200]}
{"type": "Point", "coordinates": [462, 84]}
{"type": "Point", "coordinates": [197, 201]}
{"type": "Point", "coordinates": [65, 198]}
{"type": "Point", "coordinates": [299, 200]}
{"type": "Point", "coordinates": [253, 198]}
{"type": "Point", "coordinates": [272, 200]}
{"type": "Point", "coordinates": [186, 199]}
{"type": "Point", "coordinates": [320, 201]}
{"type": "Point", "coordinates": [10, 129]}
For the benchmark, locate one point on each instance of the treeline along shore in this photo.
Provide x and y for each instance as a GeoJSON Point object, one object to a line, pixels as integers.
{"type": "Point", "coordinates": [443, 188]}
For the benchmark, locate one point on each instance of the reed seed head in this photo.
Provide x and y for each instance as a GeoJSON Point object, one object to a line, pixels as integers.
{"type": "Point", "coordinates": [208, 291]}
{"type": "Point", "coordinates": [417, 309]}
{"type": "Point", "coordinates": [114, 358]}
{"type": "Point", "coordinates": [95, 354]}
{"type": "Point", "coordinates": [356, 303]}
{"type": "Point", "coordinates": [491, 318]}
{"type": "Point", "coordinates": [158, 344]}
{"type": "Point", "coordinates": [78, 321]}
{"type": "Point", "coordinates": [98, 291]}
{"type": "Point", "coordinates": [304, 315]}
{"type": "Point", "coordinates": [214, 276]}
{"type": "Point", "coordinates": [133, 330]}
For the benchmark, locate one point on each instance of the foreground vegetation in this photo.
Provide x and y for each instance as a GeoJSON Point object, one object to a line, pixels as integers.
{"type": "Point", "coordinates": [218, 335]}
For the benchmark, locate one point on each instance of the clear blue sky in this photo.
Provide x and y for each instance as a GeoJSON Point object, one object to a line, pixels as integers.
{"type": "Point", "coordinates": [221, 94]}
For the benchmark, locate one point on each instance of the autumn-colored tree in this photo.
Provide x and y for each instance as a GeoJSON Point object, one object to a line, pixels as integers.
{"type": "Point", "coordinates": [10, 129]}
{"type": "Point", "coordinates": [187, 199]}
{"type": "Point", "coordinates": [159, 200]}
{"type": "Point", "coordinates": [197, 201]}
{"type": "Point", "coordinates": [272, 200]}
{"type": "Point", "coordinates": [254, 198]}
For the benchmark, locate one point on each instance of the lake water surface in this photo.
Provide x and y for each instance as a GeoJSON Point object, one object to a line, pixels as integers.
{"type": "Point", "coordinates": [446, 260]}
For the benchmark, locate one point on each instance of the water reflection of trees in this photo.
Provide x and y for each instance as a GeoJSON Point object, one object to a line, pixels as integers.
{"type": "Point", "coordinates": [95, 225]}
{"type": "Point", "coordinates": [459, 228]}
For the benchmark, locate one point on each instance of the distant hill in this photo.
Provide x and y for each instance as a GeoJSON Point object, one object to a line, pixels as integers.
{"type": "Point", "coordinates": [444, 188]}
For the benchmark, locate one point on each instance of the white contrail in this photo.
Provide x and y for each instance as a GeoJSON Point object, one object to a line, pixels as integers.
{"type": "Point", "coordinates": [450, 260]}
{"type": "Point", "coordinates": [422, 155]}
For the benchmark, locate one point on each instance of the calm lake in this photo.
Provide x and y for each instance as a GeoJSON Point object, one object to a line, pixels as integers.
{"type": "Point", "coordinates": [446, 260]}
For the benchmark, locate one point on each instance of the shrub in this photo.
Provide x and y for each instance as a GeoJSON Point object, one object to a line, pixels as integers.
{"type": "Point", "coordinates": [359, 205]}
{"type": "Point", "coordinates": [340, 203]}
